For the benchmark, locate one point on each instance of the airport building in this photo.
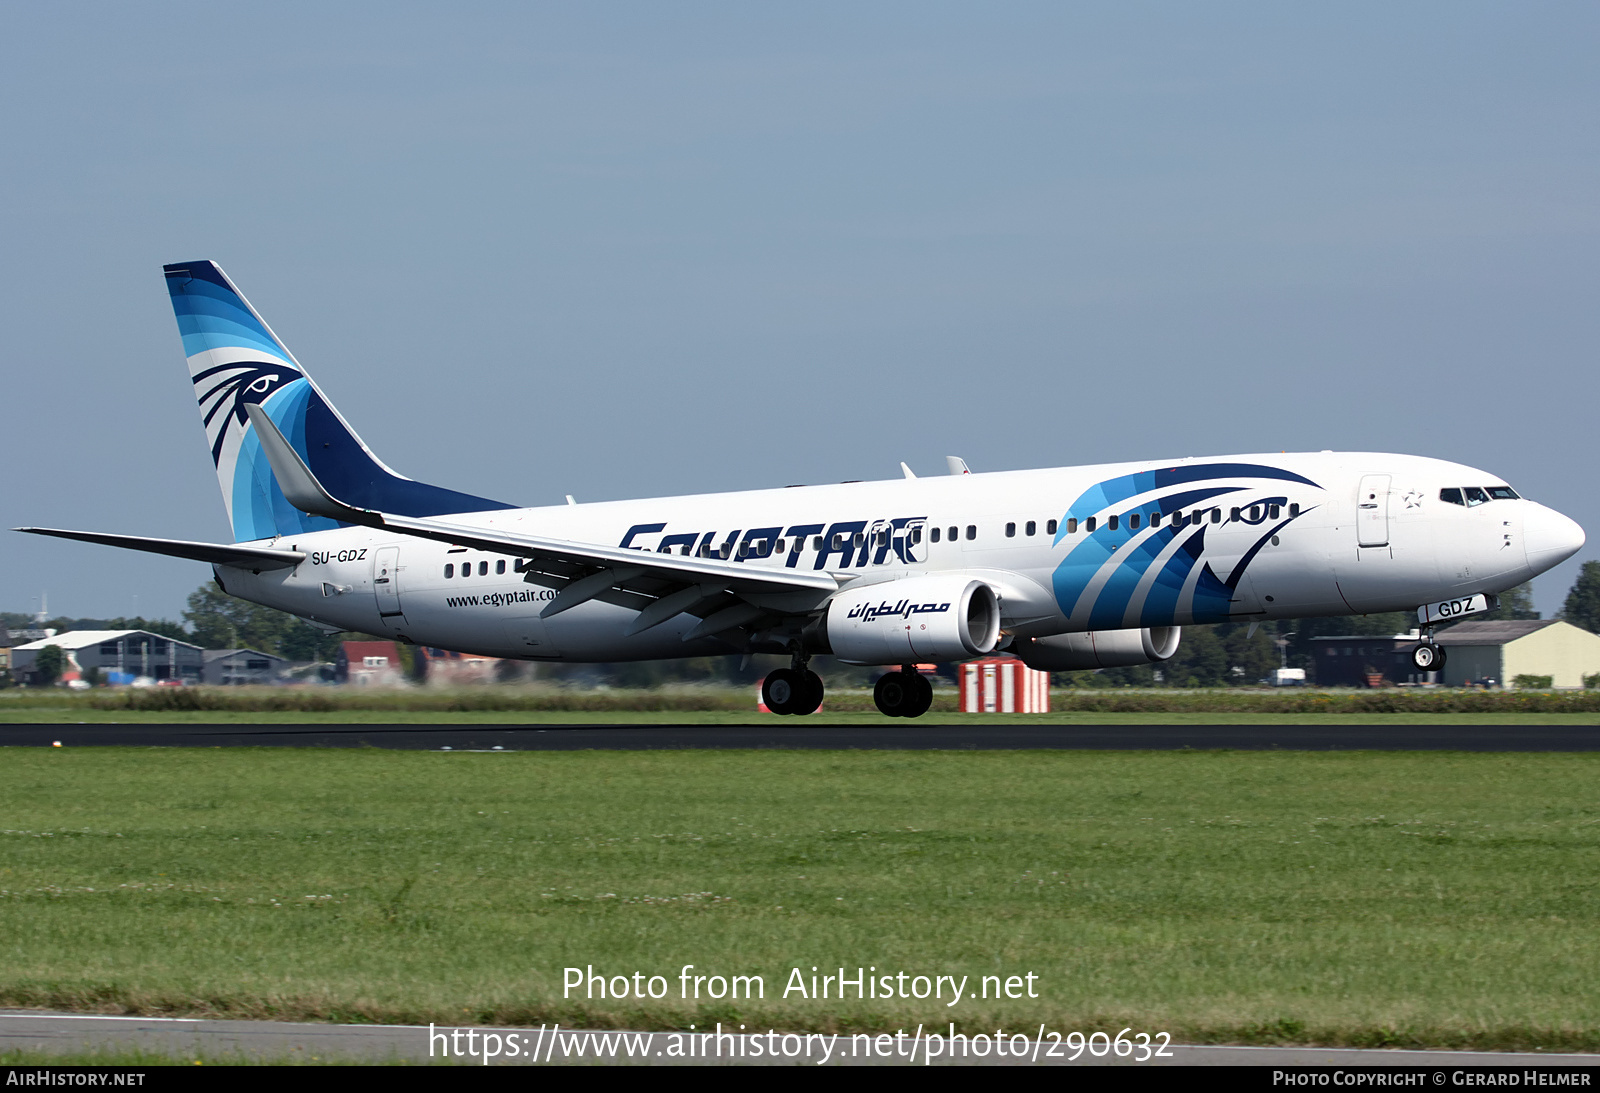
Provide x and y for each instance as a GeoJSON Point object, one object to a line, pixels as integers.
{"type": "Point", "coordinates": [369, 664]}
{"type": "Point", "coordinates": [121, 656]}
{"type": "Point", "coordinates": [1477, 654]}
{"type": "Point", "coordinates": [238, 667]}
{"type": "Point", "coordinates": [1502, 650]}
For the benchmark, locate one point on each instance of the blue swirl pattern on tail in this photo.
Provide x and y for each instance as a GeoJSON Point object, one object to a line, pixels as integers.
{"type": "Point", "coordinates": [235, 359]}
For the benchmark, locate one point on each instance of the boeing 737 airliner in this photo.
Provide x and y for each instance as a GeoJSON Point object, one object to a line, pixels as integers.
{"type": "Point", "coordinates": [1071, 568]}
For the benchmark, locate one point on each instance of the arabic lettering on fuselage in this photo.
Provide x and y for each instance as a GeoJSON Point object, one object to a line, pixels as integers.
{"type": "Point", "coordinates": [843, 544]}
{"type": "Point", "coordinates": [904, 609]}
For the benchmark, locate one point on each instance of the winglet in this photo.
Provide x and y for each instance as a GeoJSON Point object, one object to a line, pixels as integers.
{"type": "Point", "coordinates": [956, 464]}
{"type": "Point", "coordinates": [300, 487]}
{"type": "Point", "coordinates": [907, 471]}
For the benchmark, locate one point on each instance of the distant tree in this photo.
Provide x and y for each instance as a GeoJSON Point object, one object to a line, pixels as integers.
{"type": "Point", "coordinates": [1583, 602]}
{"type": "Point", "coordinates": [49, 664]}
{"type": "Point", "coordinates": [220, 621]}
{"type": "Point", "coordinates": [1515, 603]}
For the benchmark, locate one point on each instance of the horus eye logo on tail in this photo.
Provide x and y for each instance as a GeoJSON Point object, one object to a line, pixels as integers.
{"type": "Point", "coordinates": [235, 359]}
{"type": "Point", "coordinates": [225, 389]}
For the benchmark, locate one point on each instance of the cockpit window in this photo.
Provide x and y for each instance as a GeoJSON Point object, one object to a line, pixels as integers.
{"type": "Point", "coordinates": [1452, 496]}
{"type": "Point", "coordinates": [1476, 496]}
{"type": "Point", "coordinates": [1503, 493]}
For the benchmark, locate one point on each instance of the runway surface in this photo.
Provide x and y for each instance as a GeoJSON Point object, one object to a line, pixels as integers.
{"type": "Point", "coordinates": [272, 1041]}
{"type": "Point", "coordinates": [794, 734]}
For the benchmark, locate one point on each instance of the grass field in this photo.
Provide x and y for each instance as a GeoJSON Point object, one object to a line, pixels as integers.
{"type": "Point", "coordinates": [722, 706]}
{"type": "Point", "coordinates": [1437, 899]}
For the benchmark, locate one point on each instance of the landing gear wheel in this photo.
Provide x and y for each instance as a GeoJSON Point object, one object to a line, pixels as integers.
{"type": "Point", "coordinates": [895, 695]}
{"type": "Point", "coordinates": [921, 697]}
{"type": "Point", "coordinates": [1427, 658]}
{"type": "Point", "coordinates": [785, 690]}
{"type": "Point", "coordinates": [810, 693]}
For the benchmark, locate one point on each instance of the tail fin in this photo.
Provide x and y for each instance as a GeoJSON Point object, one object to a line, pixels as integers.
{"type": "Point", "coordinates": [236, 359]}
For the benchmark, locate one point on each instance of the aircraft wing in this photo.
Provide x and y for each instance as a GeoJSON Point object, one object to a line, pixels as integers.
{"type": "Point", "coordinates": [245, 557]}
{"type": "Point", "coordinates": [724, 594]}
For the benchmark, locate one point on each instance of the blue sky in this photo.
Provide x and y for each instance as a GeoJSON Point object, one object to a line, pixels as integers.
{"type": "Point", "coordinates": [624, 250]}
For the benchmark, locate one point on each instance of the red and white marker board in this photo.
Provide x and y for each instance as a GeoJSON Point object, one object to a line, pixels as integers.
{"type": "Point", "coordinates": [1003, 685]}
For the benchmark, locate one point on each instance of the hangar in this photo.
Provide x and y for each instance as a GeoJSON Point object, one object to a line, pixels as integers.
{"type": "Point", "coordinates": [1502, 650]}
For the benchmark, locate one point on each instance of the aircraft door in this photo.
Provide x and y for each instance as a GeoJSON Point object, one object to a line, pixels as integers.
{"type": "Point", "coordinates": [386, 580]}
{"type": "Point", "coordinates": [1372, 511]}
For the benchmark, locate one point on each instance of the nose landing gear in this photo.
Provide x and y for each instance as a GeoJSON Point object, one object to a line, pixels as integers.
{"type": "Point", "coordinates": [903, 694]}
{"type": "Point", "coordinates": [1428, 656]}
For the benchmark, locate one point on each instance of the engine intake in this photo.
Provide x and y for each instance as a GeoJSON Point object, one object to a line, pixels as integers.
{"type": "Point", "coordinates": [1099, 649]}
{"type": "Point", "coordinates": [936, 618]}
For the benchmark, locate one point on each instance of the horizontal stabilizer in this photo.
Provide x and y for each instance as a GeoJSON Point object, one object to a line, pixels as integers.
{"type": "Point", "coordinates": [244, 557]}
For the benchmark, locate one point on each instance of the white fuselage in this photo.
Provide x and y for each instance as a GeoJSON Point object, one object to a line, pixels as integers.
{"type": "Point", "coordinates": [1238, 537]}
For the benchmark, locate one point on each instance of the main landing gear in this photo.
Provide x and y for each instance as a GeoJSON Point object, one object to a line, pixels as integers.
{"type": "Point", "coordinates": [796, 690]}
{"type": "Point", "coordinates": [903, 693]}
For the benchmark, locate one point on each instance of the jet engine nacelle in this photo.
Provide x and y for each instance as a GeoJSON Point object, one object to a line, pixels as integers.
{"type": "Point", "coordinates": [936, 618]}
{"type": "Point", "coordinates": [1099, 649]}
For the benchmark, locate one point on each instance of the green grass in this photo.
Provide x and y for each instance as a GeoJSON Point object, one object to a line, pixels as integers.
{"type": "Point", "coordinates": [724, 706]}
{"type": "Point", "coordinates": [1430, 899]}
{"type": "Point", "coordinates": [57, 716]}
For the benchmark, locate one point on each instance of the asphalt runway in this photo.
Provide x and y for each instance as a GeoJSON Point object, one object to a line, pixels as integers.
{"type": "Point", "coordinates": [274, 1041]}
{"type": "Point", "coordinates": [795, 734]}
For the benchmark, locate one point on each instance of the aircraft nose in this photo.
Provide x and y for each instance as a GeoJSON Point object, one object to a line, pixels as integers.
{"type": "Point", "coordinates": [1550, 537]}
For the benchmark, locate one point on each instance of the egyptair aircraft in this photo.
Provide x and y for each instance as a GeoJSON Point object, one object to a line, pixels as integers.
{"type": "Point", "coordinates": [1069, 568]}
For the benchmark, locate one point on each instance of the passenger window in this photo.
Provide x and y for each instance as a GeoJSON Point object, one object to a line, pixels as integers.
{"type": "Point", "coordinates": [779, 545]}
{"type": "Point", "coordinates": [1111, 523]}
{"type": "Point", "coordinates": [859, 540]}
{"type": "Point", "coordinates": [466, 569]}
{"type": "Point", "coordinates": [1088, 525]}
{"type": "Point", "coordinates": [483, 569]}
{"type": "Point", "coordinates": [500, 566]}
{"type": "Point", "coordinates": [1155, 519]}
{"type": "Point", "coordinates": [1072, 525]}
{"type": "Point", "coordinates": [1234, 515]}
{"type": "Point", "coordinates": [449, 570]}
{"type": "Point", "coordinates": [952, 533]}
{"type": "Point", "coordinates": [934, 535]}
{"type": "Point", "coordinates": [1177, 518]}
{"type": "Point", "coordinates": [1049, 527]}
{"type": "Point", "coordinates": [916, 535]}
{"type": "Point", "coordinates": [816, 543]}
{"type": "Point", "coordinates": [1273, 512]}
{"type": "Point", "coordinates": [1476, 496]}
{"type": "Point", "coordinates": [1133, 521]}
{"type": "Point", "coordinates": [1503, 493]}
{"type": "Point", "coordinates": [972, 531]}
{"type": "Point", "coordinates": [1294, 511]}
{"type": "Point", "coordinates": [1011, 530]}
{"type": "Point", "coordinates": [1255, 513]}
{"type": "Point", "coordinates": [1030, 528]}
{"type": "Point", "coordinates": [1216, 516]}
